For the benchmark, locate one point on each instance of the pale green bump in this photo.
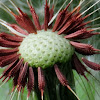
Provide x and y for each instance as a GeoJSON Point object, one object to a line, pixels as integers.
{"type": "Point", "coordinates": [45, 48]}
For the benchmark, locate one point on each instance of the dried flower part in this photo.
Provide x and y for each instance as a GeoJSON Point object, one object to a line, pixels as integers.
{"type": "Point", "coordinates": [30, 84]}
{"type": "Point", "coordinates": [77, 23]}
{"type": "Point", "coordinates": [5, 52]}
{"type": "Point", "coordinates": [51, 13]}
{"type": "Point", "coordinates": [24, 21]}
{"type": "Point", "coordinates": [46, 16]}
{"type": "Point", "coordinates": [22, 79]}
{"type": "Point", "coordinates": [84, 49]}
{"type": "Point", "coordinates": [35, 17]}
{"type": "Point", "coordinates": [71, 23]}
{"type": "Point", "coordinates": [15, 72]}
{"type": "Point", "coordinates": [67, 25]}
{"type": "Point", "coordinates": [66, 18]}
{"type": "Point", "coordinates": [60, 76]}
{"type": "Point", "coordinates": [8, 37]}
{"type": "Point", "coordinates": [16, 68]}
{"type": "Point", "coordinates": [78, 66]}
{"type": "Point", "coordinates": [92, 65]}
{"type": "Point", "coordinates": [8, 69]}
{"type": "Point", "coordinates": [7, 56]}
{"type": "Point", "coordinates": [9, 60]}
{"type": "Point", "coordinates": [6, 43]}
{"type": "Point", "coordinates": [59, 19]}
{"type": "Point", "coordinates": [41, 81]}
{"type": "Point", "coordinates": [68, 22]}
{"type": "Point", "coordinates": [80, 34]}
{"type": "Point", "coordinates": [18, 29]}
{"type": "Point", "coordinates": [63, 80]}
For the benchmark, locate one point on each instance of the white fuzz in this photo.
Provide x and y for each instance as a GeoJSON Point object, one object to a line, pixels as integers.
{"type": "Point", "coordinates": [10, 28]}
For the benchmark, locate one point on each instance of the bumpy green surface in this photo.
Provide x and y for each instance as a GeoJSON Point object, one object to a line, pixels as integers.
{"type": "Point", "coordinates": [45, 48]}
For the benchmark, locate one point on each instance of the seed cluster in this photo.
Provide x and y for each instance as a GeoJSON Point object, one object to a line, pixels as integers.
{"type": "Point", "coordinates": [45, 49]}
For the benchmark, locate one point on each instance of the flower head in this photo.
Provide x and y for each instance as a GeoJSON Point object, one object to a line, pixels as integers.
{"type": "Point", "coordinates": [32, 45]}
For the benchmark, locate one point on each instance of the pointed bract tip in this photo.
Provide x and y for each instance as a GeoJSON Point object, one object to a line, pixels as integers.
{"type": "Point", "coordinates": [42, 91]}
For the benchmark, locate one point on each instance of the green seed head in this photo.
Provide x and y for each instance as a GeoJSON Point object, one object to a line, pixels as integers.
{"type": "Point", "coordinates": [45, 49]}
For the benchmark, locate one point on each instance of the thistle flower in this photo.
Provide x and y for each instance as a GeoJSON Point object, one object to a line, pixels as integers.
{"type": "Point", "coordinates": [32, 48]}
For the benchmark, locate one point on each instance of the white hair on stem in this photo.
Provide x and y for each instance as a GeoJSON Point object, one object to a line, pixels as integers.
{"type": "Point", "coordinates": [94, 11]}
{"type": "Point", "coordinates": [4, 23]}
{"type": "Point", "coordinates": [3, 83]}
{"type": "Point", "coordinates": [90, 7]}
{"type": "Point", "coordinates": [73, 92]}
{"type": "Point", "coordinates": [49, 2]}
{"type": "Point", "coordinates": [95, 19]}
{"type": "Point", "coordinates": [27, 98]}
{"type": "Point", "coordinates": [2, 30]}
{"type": "Point", "coordinates": [14, 5]}
{"type": "Point", "coordinates": [13, 94]}
{"type": "Point", "coordinates": [3, 47]}
{"type": "Point", "coordinates": [98, 28]}
{"type": "Point", "coordinates": [29, 1]}
{"type": "Point", "coordinates": [5, 8]}
{"type": "Point", "coordinates": [18, 95]}
{"type": "Point", "coordinates": [86, 4]}
{"type": "Point", "coordinates": [53, 18]}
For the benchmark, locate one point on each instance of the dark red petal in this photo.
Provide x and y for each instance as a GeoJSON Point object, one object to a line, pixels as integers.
{"type": "Point", "coordinates": [7, 56]}
{"type": "Point", "coordinates": [63, 80]}
{"type": "Point", "coordinates": [16, 68]}
{"type": "Point", "coordinates": [51, 12]}
{"type": "Point", "coordinates": [88, 35]}
{"type": "Point", "coordinates": [16, 76]}
{"type": "Point", "coordinates": [24, 21]}
{"type": "Point", "coordinates": [60, 76]}
{"type": "Point", "coordinates": [17, 28]}
{"type": "Point", "coordinates": [41, 81]}
{"type": "Point", "coordinates": [78, 22]}
{"type": "Point", "coordinates": [15, 80]}
{"type": "Point", "coordinates": [9, 60]}
{"type": "Point", "coordinates": [79, 34]}
{"type": "Point", "coordinates": [84, 49]}
{"type": "Point", "coordinates": [68, 15]}
{"type": "Point", "coordinates": [5, 52]}
{"type": "Point", "coordinates": [81, 26]}
{"type": "Point", "coordinates": [22, 76]}
{"type": "Point", "coordinates": [35, 17]}
{"type": "Point", "coordinates": [70, 22]}
{"type": "Point", "coordinates": [30, 84]}
{"type": "Point", "coordinates": [46, 17]}
{"type": "Point", "coordinates": [8, 37]}
{"type": "Point", "coordinates": [90, 64]}
{"type": "Point", "coordinates": [59, 19]}
{"type": "Point", "coordinates": [8, 69]}
{"type": "Point", "coordinates": [78, 66]}
{"type": "Point", "coordinates": [5, 43]}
